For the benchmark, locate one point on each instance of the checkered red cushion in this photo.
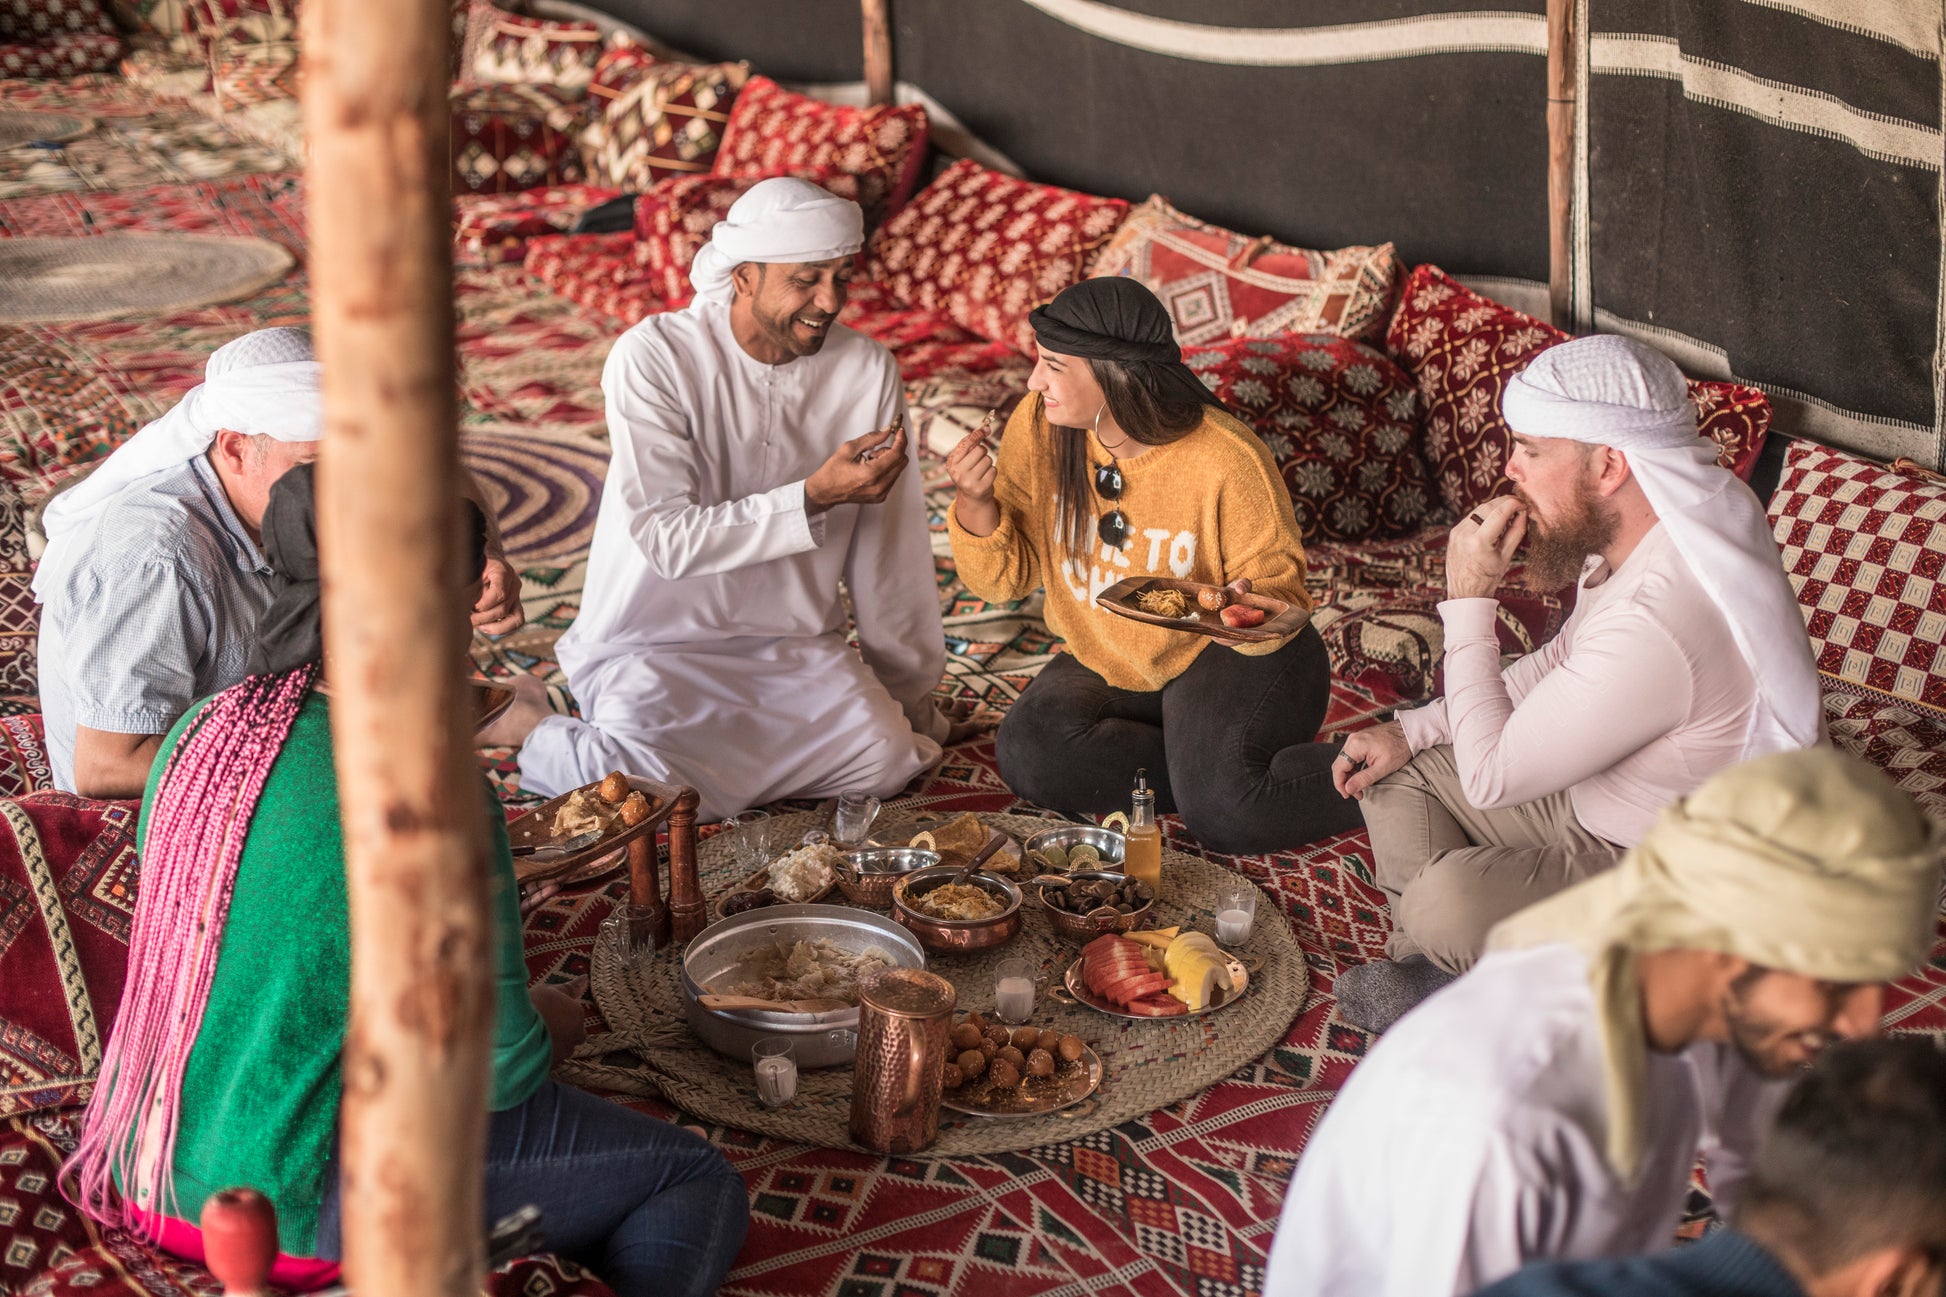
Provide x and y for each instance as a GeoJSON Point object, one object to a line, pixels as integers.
{"type": "Point", "coordinates": [772, 131]}
{"type": "Point", "coordinates": [984, 249]}
{"type": "Point", "coordinates": [1462, 348]}
{"type": "Point", "coordinates": [1342, 421]}
{"type": "Point", "coordinates": [489, 229]}
{"type": "Point", "coordinates": [1864, 546]}
{"type": "Point", "coordinates": [674, 219]}
{"type": "Point", "coordinates": [926, 343]}
{"type": "Point", "coordinates": [596, 270]}
{"type": "Point", "coordinates": [1220, 284]}
{"type": "Point", "coordinates": [508, 138]}
{"type": "Point", "coordinates": [1908, 743]}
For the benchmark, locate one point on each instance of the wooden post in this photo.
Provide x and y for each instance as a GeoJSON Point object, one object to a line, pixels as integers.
{"type": "Point", "coordinates": [878, 52]}
{"type": "Point", "coordinates": [413, 1123]}
{"type": "Point", "coordinates": [1561, 77]}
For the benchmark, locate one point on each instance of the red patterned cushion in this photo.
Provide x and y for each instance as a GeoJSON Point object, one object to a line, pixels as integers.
{"type": "Point", "coordinates": [489, 229]}
{"type": "Point", "coordinates": [214, 26]}
{"type": "Point", "coordinates": [34, 21]}
{"type": "Point", "coordinates": [673, 221]}
{"type": "Point", "coordinates": [71, 54]}
{"type": "Point", "coordinates": [772, 131]}
{"type": "Point", "coordinates": [255, 73]}
{"type": "Point", "coordinates": [1864, 547]}
{"type": "Point", "coordinates": [1342, 422]}
{"type": "Point", "coordinates": [67, 900]}
{"type": "Point", "coordinates": [667, 122]}
{"type": "Point", "coordinates": [513, 49]}
{"type": "Point", "coordinates": [19, 616]}
{"type": "Point", "coordinates": [984, 249]}
{"type": "Point", "coordinates": [596, 270]}
{"type": "Point", "coordinates": [1219, 284]}
{"type": "Point", "coordinates": [1462, 348]}
{"type": "Point", "coordinates": [925, 343]}
{"type": "Point", "coordinates": [1908, 743]}
{"type": "Point", "coordinates": [508, 138]}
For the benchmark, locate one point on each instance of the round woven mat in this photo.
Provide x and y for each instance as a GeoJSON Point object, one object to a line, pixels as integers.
{"type": "Point", "coordinates": [17, 128]}
{"type": "Point", "coordinates": [51, 280]}
{"type": "Point", "coordinates": [1147, 1065]}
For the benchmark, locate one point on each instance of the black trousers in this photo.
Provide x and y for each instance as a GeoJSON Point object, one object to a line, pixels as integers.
{"type": "Point", "coordinates": [1229, 745]}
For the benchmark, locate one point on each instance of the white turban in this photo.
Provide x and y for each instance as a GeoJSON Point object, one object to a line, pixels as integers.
{"type": "Point", "coordinates": [1614, 391]}
{"type": "Point", "coordinates": [779, 220]}
{"type": "Point", "coordinates": [262, 384]}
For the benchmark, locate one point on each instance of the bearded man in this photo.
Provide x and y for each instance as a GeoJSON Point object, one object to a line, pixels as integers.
{"type": "Point", "coordinates": [710, 649]}
{"type": "Point", "coordinates": [1552, 1103]}
{"type": "Point", "coordinates": [1685, 653]}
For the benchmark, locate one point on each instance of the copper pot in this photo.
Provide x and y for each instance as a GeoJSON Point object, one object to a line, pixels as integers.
{"type": "Point", "coordinates": [1086, 927]}
{"type": "Point", "coordinates": [869, 874]}
{"type": "Point", "coordinates": [905, 1016]}
{"type": "Point", "coordinates": [956, 936]}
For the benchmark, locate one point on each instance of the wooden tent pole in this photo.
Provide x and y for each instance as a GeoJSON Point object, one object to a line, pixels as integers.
{"type": "Point", "coordinates": [878, 51]}
{"type": "Point", "coordinates": [1561, 77]}
{"type": "Point", "coordinates": [413, 1124]}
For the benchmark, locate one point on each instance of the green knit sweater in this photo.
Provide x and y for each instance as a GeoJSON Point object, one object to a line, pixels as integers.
{"type": "Point", "coordinates": [260, 1093]}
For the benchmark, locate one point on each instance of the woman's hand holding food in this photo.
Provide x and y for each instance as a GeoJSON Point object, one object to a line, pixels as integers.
{"type": "Point", "coordinates": [973, 471]}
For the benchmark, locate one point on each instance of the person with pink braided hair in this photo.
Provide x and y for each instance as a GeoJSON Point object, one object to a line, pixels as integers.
{"type": "Point", "coordinates": [223, 1067]}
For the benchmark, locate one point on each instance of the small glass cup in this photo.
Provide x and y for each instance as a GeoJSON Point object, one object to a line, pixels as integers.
{"type": "Point", "coordinates": [749, 840]}
{"type": "Point", "coordinates": [1236, 911]}
{"type": "Point", "coordinates": [774, 1059]}
{"type": "Point", "coordinates": [852, 821]}
{"type": "Point", "coordinates": [1013, 991]}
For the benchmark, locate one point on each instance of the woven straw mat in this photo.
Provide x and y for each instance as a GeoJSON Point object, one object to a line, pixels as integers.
{"type": "Point", "coordinates": [18, 128]}
{"type": "Point", "coordinates": [1147, 1064]}
{"type": "Point", "coordinates": [113, 275]}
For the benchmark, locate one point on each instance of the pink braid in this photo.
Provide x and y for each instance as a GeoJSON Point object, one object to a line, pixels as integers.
{"type": "Point", "coordinates": [196, 829]}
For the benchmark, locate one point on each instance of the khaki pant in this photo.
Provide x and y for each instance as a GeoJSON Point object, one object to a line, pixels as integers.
{"type": "Point", "coordinates": [1453, 872]}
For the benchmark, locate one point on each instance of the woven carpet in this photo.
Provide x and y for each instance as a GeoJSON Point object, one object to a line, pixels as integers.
{"type": "Point", "coordinates": [117, 276]}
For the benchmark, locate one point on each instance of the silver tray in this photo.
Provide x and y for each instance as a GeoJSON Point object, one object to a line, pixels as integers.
{"type": "Point", "coordinates": [1065, 1092]}
{"type": "Point", "coordinates": [1076, 989]}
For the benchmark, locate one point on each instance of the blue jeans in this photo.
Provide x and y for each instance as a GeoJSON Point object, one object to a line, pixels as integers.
{"type": "Point", "coordinates": [651, 1208]}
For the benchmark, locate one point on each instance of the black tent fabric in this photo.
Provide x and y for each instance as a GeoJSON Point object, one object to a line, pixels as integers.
{"type": "Point", "coordinates": [1758, 182]}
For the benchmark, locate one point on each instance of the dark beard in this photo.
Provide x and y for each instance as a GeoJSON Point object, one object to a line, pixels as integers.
{"type": "Point", "coordinates": [1558, 551]}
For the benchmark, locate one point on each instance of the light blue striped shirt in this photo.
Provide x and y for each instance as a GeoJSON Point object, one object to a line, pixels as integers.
{"type": "Point", "coordinates": [152, 607]}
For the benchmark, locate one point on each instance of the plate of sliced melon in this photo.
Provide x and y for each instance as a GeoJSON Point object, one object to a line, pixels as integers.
{"type": "Point", "coordinates": [1164, 973]}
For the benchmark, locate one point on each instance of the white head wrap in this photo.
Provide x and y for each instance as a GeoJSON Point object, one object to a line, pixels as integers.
{"type": "Point", "coordinates": [1614, 391]}
{"type": "Point", "coordinates": [778, 220]}
{"type": "Point", "coordinates": [262, 384]}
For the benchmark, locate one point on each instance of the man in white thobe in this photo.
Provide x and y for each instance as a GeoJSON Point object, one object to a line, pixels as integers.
{"type": "Point", "coordinates": [1552, 1101]}
{"type": "Point", "coordinates": [747, 483]}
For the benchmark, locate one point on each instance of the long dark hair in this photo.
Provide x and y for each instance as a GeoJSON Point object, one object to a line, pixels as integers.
{"type": "Point", "coordinates": [1147, 412]}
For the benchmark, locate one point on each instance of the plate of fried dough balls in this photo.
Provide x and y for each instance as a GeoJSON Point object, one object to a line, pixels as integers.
{"type": "Point", "coordinates": [993, 1070]}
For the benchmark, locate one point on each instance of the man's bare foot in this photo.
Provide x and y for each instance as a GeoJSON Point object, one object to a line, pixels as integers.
{"type": "Point", "coordinates": [528, 709]}
{"type": "Point", "coordinates": [972, 727]}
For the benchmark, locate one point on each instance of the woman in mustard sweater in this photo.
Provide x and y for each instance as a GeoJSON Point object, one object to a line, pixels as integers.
{"type": "Point", "coordinates": [1119, 463]}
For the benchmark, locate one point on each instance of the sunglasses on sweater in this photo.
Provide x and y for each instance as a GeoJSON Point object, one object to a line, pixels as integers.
{"type": "Point", "coordinates": [1113, 528]}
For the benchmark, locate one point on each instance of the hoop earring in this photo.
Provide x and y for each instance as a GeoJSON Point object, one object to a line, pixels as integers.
{"type": "Point", "coordinates": [1097, 430]}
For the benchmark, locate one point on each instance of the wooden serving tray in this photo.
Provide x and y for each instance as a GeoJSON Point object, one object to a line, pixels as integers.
{"type": "Point", "coordinates": [537, 828]}
{"type": "Point", "coordinates": [1281, 620]}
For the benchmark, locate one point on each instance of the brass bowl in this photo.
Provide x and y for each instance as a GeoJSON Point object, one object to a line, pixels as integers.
{"type": "Point", "coordinates": [956, 936]}
{"type": "Point", "coordinates": [879, 868]}
{"type": "Point", "coordinates": [1083, 927]}
{"type": "Point", "coordinates": [1106, 842]}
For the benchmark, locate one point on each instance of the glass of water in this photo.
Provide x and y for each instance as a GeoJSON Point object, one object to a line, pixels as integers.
{"type": "Point", "coordinates": [775, 1060]}
{"type": "Point", "coordinates": [852, 821]}
{"type": "Point", "coordinates": [749, 836]}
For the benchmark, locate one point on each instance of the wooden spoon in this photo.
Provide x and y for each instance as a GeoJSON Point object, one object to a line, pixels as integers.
{"type": "Point", "coordinates": [732, 1003]}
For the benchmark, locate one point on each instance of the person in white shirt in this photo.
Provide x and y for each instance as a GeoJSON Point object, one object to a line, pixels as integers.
{"type": "Point", "coordinates": [759, 460]}
{"type": "Point", "coordinates": [1685, 653]}
{"type": "Point", "coordinates": [1552, 1101]}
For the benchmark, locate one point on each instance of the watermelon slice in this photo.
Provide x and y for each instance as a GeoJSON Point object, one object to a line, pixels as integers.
{"type": "Point", "coordinates": [1158, 1006]}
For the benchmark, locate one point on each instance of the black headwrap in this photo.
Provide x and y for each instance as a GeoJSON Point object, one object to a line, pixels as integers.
{"type": "Point", "coordinates": [290, 634]}
{"type": "Point", "coordinates": [1116, 318]}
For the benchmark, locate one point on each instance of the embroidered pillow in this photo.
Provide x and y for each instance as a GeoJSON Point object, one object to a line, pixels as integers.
{"type": "Point", "coordinates": [667, 120]}
{"type": "Point", "coordinates": [517, 50]}
{"type": "Point", "coordinates": [673, 221]}
{"type": "Point", "coordinates": [1462, 348]}
{"type": "Point", "coordinates": [772, 131]}
{"type": "Point", "coordinates": [255, 73]}
{"type": "Point", "coordinates": [1219, 284]}
{"type": "Point", "coordinates": [34, 21]}
{"type": "Point", "coordinates": [512, 137]}
{"type": "Point", "coordinates": [984, 249]}
{"type": "Point", "coordinates": [1342, 422]}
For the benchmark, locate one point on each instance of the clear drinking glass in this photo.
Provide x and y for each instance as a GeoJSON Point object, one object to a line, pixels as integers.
{"type": "Point", "coordinates": [774, 1059]}
{"type": "Point", "coordinates": [852, 821]}
{"type": "Point", "coordinates": [1013, 991]}
{"type": "Point", "coordinates": [749, 836]}
{"type": "Point", "coordinates": [1236, 911]}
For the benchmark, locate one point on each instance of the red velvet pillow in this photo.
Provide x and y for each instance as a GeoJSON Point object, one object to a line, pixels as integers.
{"type": "Point", "coordinates": [509, 138]}
{"type": "Point", "coordinates": [984, 249]}
{"type": "Point", "coordinates": [1342, 422]}
{"type": "Point", "coordinates": [67, 904]}
{"type": "Point", "coordinates": [772, 132]}
{"type": "Point", "coordinates": [674, 219]}
{"type": "Point", "coordinates": [1220, 284]}
{"type": "Point", "coordinates": [1462, 348]}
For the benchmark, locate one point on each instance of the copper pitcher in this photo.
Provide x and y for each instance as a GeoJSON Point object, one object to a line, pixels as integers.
{"type": "Point", "coordinates": [904, 1018]}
